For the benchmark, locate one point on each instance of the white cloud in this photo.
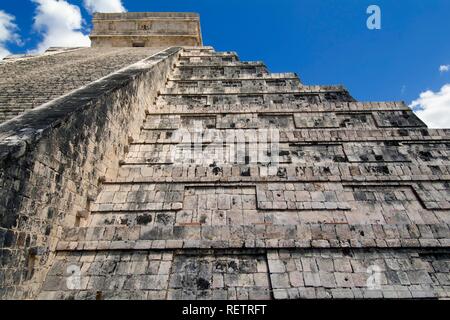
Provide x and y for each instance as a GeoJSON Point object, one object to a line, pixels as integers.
{"type": "Point", "coordinates": [7, 32]}
{"type": "Point", "coordinates": [60, 24]}
{"type": "Point", "coordinates": [4, 52]}
{"type": "Point", "coordinates": [434, 107]}
{"type": "Point", "coordinates": [104, 6]}
{"type": "Point", "coordinates": [444, 68]}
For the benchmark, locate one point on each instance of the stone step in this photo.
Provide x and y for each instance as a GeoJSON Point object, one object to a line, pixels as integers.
{"type": "Point", "coordinates": [210, 217]}
{"type": "Point", "coordinates": [215, 58]}
{"type": "Point", "coordinates": [268, 76]}
{"type": "Point", "coordinates": [281, 121]}
{"type": "Point", "coordinates": [217, 100]}
{"type": "Point", "coordinates": [230, 70]}
{"type": "Point", "coordinates": [388, 201]}
{"type": "Point", "coordinates": [233, 76]}
{"type": "Point", "coordinates": [182, 153]}
{"type": "Point", "coordinates": [282, 108]}
{"type": "Point", "coordinates": [248, 274]}
{"type": "Point", "coordinates": [292, 88]}
{"type": "Point", "coordinates": [172, 244]}
{"type": "Point", "coordinates": [338, 212]}
{"type": "Point", "coordinates": [264, 235]}
{"type": "Point", "coordinates": [334, 172]}
{"type": "Point", "coordinates": [346, 120]}
{"type": "Point", "coordinates": [198, 50]}
{"type": "Point", "coordinates": [230, 64]}
{"type": "Point", "coordinates": [208, 54]}
{"type": "Point", "coordinates": [323, 136]}
{"type": "Point", "coordinates": [234, 86]}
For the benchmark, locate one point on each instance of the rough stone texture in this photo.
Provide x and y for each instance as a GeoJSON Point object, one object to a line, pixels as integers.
{"type": "Point", "coordinates": [146, 29]}
{"type": "Point", "coordinates": [330, 273]}
{"type": "Point", "coordinates": [96, 207]}
{"type": "Point", "coordinates": [53, 158]}
{"type": "Point", "coordinates": [32, 81]}
{"type": "Point", "coordinates": [359, 186]}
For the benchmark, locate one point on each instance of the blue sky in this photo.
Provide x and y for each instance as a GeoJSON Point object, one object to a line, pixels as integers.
{"type": "Point", "coordinates": [325, 42]}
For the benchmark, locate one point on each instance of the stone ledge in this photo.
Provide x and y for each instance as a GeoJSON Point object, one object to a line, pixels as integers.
{"type": "Point", "coordinates": [257, 236]}
{"type": "Point", "coordinates": [65, 246]}
{"type": "Point", "coordinates": [253, 91]}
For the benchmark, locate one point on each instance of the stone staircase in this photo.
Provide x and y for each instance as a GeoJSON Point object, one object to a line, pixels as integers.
{"type": "Point", "coordinates": [361, 190]}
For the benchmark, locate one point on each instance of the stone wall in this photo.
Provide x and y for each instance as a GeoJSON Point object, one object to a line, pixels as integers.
{"type": "Point", "coordinates": [356, 207]}
{"type": "Point", "coordinates": [53, 158]}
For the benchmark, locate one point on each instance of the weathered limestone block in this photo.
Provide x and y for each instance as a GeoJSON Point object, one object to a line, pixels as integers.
{"type": "Point", "coordinates": [357, 274]}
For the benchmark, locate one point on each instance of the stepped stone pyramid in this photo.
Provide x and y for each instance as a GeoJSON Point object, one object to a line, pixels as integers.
{"type": "Point", "coordinates": [356, 204]}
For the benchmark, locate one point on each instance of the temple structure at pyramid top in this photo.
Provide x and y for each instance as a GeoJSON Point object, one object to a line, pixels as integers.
{"type": "Point", "coordinates": [146, 29]}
